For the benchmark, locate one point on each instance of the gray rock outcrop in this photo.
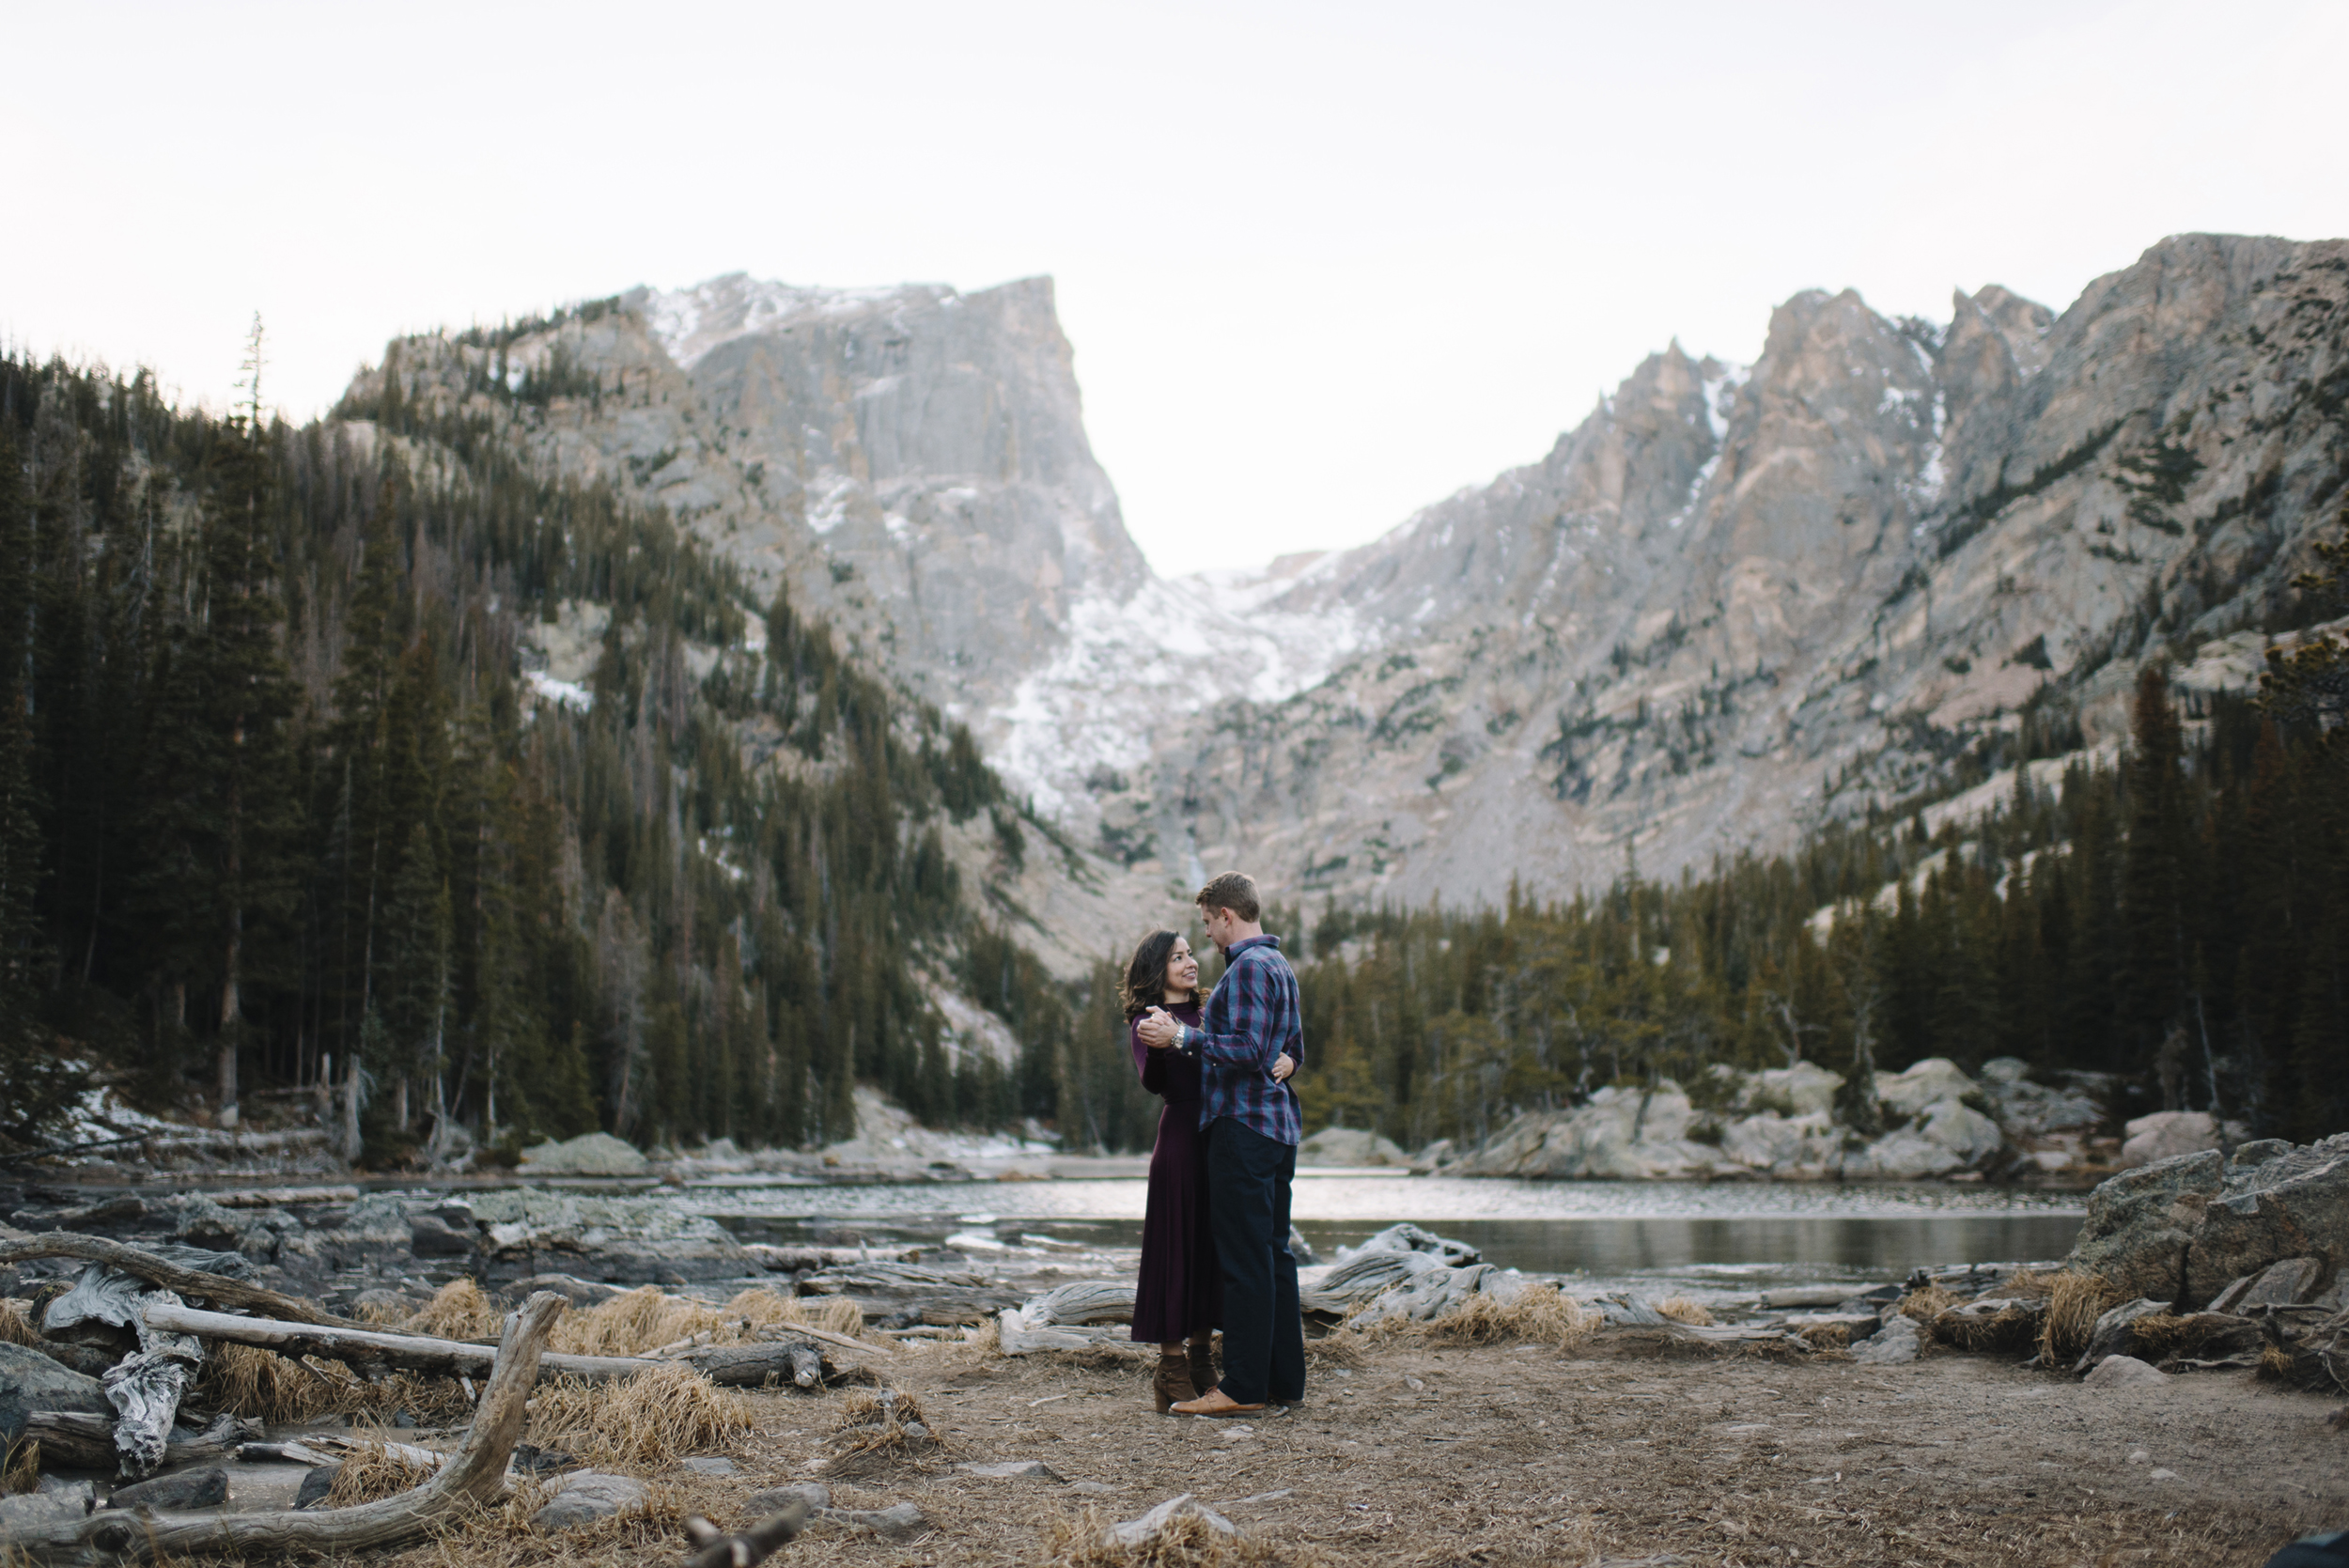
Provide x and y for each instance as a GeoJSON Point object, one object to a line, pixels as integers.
{"type": "Point", "coordinates": [594, 1153]}
{"type": "Point", "coordinates": [1775, 1122]}
{"type": "Point", "coordinates": [30, 1381]}
{"type": "Point", "coordinates": [2184, 1229]}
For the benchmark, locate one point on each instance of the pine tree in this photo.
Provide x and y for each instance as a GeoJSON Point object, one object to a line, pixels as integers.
{"type": "Point", "coordinates": [2153, 893]}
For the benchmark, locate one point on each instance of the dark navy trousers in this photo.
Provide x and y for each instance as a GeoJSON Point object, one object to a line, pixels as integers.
{"type": "Point", "coordinates": [1249, 1177]}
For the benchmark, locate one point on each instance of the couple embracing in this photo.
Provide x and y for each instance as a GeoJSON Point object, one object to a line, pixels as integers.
{"type": "Point", "coordinates": [1214, 1246]}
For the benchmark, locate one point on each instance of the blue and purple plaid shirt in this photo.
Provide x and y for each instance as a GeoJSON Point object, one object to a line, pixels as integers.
{"type": "Point", "coordinates": [1251, 1018]}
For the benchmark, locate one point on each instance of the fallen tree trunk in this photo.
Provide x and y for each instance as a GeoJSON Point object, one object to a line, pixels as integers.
{"type": "Point", "coordinates": [74, 1440]}
{"type": "Point", "coordinates": [171, 1276]}
{"type": "Point", "coordinates": [737, 1364]}
{"type": "Point", "coordinates": [474, 1480]}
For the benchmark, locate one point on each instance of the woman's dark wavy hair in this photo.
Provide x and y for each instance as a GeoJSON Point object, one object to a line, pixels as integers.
{"type": "Point", "coordinates": [1143, 985]}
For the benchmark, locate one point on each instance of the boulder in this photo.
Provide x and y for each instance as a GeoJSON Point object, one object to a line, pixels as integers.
{"type": "Point", "coordinates": [2284, 1284]}
{"type": "Point", "coordinates": [2294, 1206]}
{"type": "Point", "coordinates": [1900, 1340]}
{"type": "Point", "coordinates": [898, 1522]}
{"type": "Point", "coordinates": [2166, 1134]}
{"type": "Point", "coordinates": [594, 1153]}
{"type": "Point", "coordinates": [2140, 1223]}
{"type": "Point", "coordinates": [1902, 1155]}
{"type": "Point", "coordinates": [708, 1464]}
{"type": "Point", "coordinates": [2123, 1371]}
{"type": "Point", "coordinates": [31, 1381]}
{"type": "Point", "coordinates": [763, 1505]}
{"type": "Point", "coordinates": [624, 1240]}
{"type": "Point", "coordinates": [1807, 1146]}
{"type": "Point", "coordinates": [1350, 1146]}
{"type": "Point", "coordinates": [1934, 1078]}
{"type": "Point", "coordinates": [2112, 1335]}
{"type": "Point", "coordinates": [36, 1509]}
{"type": "Point", "coordinates": [1631, 1134]}
{"type": "Point", "coordinates": [587, 1495]}
{"type": "Point", "coordinates": [1012, 1469]}
{"type": "Point", "coordinates": [201, 1488]}
{"type": "Point", "coordinates": [2028, 1110]}
{"type": "Point", "coordinates": [431, 1237]}
{"type": "Point", "coordinates": [1805, 1088]}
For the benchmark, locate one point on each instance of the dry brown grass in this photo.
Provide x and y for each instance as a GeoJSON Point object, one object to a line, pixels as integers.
{"type": "Point", "coordinates": [1827, 1336]}
{"type": "Point", "coordinates": [251, 1381]}
{"type": "Point", "coordinates": [1336, 1350]}
{"type": "Point", "coordinates": [19, 1467]}
{"type": "Point", "coordinates": [2030, 1286]}
{"type": "Point", "coordinates": [1929, 1303]}
{"type": "Point", "coordinates": [501, 1536]}
{"type": "Point", "coordinates": [457, 1311]}
{"type": "Point", "coordinates": [870, 1435]}
{"type": "Point", "coordinates": [371, 1471]}
{"type": "Point", "coordinates": [654, 1418]}
{"type": "Point", "coordinates": [1075, 1540]}
{"type": "Point", "coordinates": [2010, 1328]}
{"type": "Point", "coordinates": [649, 1319]}
{"type": "Point", "coordinates": [1539, 1315]}
{"type": "Point", "coordinates": [2075, 1302]}
{"type": "Point", "coordinates": [16, 1323]}
{"type": "Point", "coordinates": [1680, 1309]}
{"type": "Point", "coordinates": [881, 1409]}
{"type": "Point", "coordinates": [2276, 1366]}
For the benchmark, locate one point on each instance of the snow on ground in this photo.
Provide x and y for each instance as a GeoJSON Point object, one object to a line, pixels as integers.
{"type": "Point", "coordinates": [562, 694]}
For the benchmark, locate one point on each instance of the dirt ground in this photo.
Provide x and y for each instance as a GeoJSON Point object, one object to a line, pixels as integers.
{"type": "Point", "coordinates": [1511, 1454]}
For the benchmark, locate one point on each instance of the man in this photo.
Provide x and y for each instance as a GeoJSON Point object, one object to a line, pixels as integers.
{"type": "Point", "coordinates": [1248, 1115]}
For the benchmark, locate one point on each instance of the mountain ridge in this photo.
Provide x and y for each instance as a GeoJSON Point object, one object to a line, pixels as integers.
{"type": "Point", "coordinates": [1732, 603]}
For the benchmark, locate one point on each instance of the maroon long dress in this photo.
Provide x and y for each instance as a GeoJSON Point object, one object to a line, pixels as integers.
{"type": "Point", "coordinates": [1180, 1292]}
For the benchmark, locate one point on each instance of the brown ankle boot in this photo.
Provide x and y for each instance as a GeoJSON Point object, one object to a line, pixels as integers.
{"type": "Point", "coordinates": [1171, 1385]}
{"type": "Point", "coordinates": [1202, 1358]}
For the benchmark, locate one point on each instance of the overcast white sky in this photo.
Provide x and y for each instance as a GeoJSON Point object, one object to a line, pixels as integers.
{"type": "Point", "coordinates": [1321, 264]}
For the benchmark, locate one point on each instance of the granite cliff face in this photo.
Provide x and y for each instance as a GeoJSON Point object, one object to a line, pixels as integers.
{"type": "Point", "coordinates": [1733, 603]}
{"type": "Point", "coordinates": [1736, 601]}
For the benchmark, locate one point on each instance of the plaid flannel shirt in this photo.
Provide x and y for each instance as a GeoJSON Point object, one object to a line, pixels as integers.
{"type": "Point", "coordinates": [1251, 1018]}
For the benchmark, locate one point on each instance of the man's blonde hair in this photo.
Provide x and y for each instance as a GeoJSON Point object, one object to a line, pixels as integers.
{"type": "Point", "coordinates": [1234, 891]}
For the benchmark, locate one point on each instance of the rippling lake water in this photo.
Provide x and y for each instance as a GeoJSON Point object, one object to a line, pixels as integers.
{"type": "Point", "coordinates": [1716, 1241]}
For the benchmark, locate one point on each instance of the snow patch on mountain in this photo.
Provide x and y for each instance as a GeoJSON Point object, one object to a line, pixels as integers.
{"type": "Point", "coordinates": [1170, 648]}
{"type": "Point", "coordinates": [690, 322]}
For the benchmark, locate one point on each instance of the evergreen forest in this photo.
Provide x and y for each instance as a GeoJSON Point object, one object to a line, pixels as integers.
{"type": "Point", "coordinates": [286, 822]}
{"type": "Point", "coordinates": [281, 816]}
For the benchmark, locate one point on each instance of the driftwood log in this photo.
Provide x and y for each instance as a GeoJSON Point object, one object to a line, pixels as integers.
{"type": "Point", "coordinates": [736, 1365]}
{"type": "Point", "coordinates": [714, 1549]}
{"type": "Point", "coordinates": [475, 1478]}
{"type": "Point", "coordinates": [162, 1271]}
{"type": "Point", "coordinates": [73, 1439]}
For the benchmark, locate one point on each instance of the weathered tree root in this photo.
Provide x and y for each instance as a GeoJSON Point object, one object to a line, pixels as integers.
{"type": "Point", "coordinates": [475, 1478]}
{"type": "Point", "coordinates": [713, 1548]}
{"type": "Point", "coordinates": [161, 1271]}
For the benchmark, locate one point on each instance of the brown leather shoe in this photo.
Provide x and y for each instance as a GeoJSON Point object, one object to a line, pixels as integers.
{"type": "Point", "coordinates": [1201, 1367]}
{"type": "Point", "coordinates": [1215, 1401]}
{"type": "Point", "coordinates": [1171, 1385]}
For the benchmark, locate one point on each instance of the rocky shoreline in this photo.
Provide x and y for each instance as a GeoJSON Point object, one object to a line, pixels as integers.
{"type": "Point", "coordinates": [2189, 1268]}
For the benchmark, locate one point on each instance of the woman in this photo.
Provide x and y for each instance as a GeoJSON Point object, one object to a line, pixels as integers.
{"type": "Point", "coordinates": [1179, 1297]}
